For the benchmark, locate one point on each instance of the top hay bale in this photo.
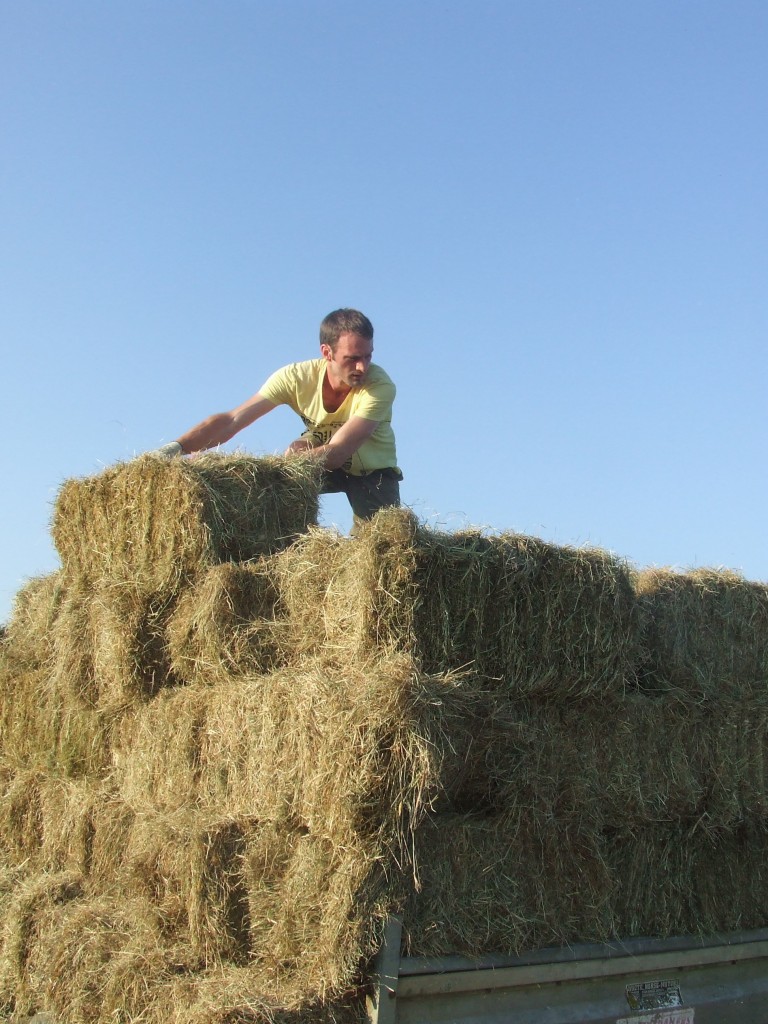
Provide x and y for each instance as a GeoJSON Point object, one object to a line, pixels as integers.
{"type": "Point", "coordinates": [152, 524]}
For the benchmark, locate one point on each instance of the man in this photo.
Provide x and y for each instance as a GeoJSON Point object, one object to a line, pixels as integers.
{"type": "Point", "coordinates": [345, 402]}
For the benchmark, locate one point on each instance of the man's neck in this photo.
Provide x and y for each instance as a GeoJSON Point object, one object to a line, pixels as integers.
{"type": "Point", "coordinates": [333, 397]}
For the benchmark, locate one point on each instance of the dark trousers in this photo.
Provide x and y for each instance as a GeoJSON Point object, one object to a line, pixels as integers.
{"type": "Point", "coordinates": [367, 494]}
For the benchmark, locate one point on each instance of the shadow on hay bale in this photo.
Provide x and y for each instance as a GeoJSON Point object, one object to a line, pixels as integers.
{"type": "Point", "coordinates": [707, 634]}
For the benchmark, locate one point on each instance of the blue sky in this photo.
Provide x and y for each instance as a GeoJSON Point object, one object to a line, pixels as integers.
{"type": "Point", "coordinates": [555, 213]}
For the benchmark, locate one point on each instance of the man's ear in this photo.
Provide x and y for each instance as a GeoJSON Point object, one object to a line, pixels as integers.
{"type": "Point", "coordinates": [327, 352]}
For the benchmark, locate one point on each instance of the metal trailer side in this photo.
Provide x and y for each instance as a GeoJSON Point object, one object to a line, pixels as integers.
{"type": "Point", "coordinates": [720, 979]}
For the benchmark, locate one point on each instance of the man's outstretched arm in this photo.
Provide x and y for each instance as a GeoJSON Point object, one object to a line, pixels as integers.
{"type": "Point", "coordinates": [342, 445]}
{"type": "Point", "coordinates": [221, 426]}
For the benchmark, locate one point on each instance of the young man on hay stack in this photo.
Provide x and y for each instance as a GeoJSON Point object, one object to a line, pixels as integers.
{"type": "Point", "coordinates": [345, 402]}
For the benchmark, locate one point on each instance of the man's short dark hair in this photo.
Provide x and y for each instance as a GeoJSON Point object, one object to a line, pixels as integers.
{"type": "Point", "coordinates": [344, 321]}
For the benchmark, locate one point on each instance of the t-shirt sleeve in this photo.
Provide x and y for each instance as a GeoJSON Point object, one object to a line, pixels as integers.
{"type": "Point", "coordinates": [375, 402]}
{"type": "Point", "coordinates": [278, 388]}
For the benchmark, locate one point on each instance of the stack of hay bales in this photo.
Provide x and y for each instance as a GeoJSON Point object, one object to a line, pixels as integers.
{"type": "Point", "coordinates": [233, 743]}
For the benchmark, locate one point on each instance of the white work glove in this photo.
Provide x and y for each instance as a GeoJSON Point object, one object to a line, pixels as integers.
{"type": "Point", "coordinates": [169, 451]}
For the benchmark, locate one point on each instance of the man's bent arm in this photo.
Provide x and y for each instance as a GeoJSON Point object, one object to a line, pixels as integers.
{"type": "Point", "coordinates": [342, 446]}
{"type": "Point", "coordinates": [222, 426]}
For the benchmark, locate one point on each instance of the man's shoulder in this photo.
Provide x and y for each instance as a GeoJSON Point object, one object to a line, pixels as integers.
{"type": "Point", "coordinates": [306, 368]}
{"type": "Point", "coordinates": [297, 373]}
{"type": "Point", "coordinates": [378, 376]}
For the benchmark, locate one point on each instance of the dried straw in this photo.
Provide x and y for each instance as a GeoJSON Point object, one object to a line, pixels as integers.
{"type": "Point", "coordinates": [99, 960]}
{"type": "Point", "coordinates": [226, 624]}
{"type": "Point", "coordinates": [34, 613]}
{"type": "Point", "coordinates": [25, 923]}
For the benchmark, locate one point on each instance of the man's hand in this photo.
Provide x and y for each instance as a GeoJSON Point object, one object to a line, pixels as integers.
{"type": "Point", "coordinates": [168, 451]}
{"type": "Point", "coordinates": [301, 444]}
{"type": "Point", "coordinates": [341, 447]}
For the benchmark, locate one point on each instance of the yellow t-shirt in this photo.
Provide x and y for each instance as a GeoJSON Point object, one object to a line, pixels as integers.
{"type": "Point", "coordinates": [300, 386]}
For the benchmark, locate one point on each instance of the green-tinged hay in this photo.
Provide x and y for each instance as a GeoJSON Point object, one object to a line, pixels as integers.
{"type": "Point", "coordinates": [511, 884]}
{"type": "Point", "coordinates": [153, 523]}
{"type": "Point", "coordinates": [34, 612]}
{"type": "Point", "coordinates": [623, 763]}
{"type": "Point", "coordinates": [707, 634]}
{"type": "Point", "coordinates": [506, 884]}
{"type": "Point", "coordinates": [737, 767]}
{"type": "Point", "coordinates": [29, 710]}
{"type": "Point", "coordinates": [225, 625]}
{"type": "Point", "coordinates": [688, 881]}
{"type": "Point", "coordinates": [43, 726]}
{"type": "Point", "coordinates": [620, 762]}
{"type": "Point", "coordinates": [25, 924]}
{"type": "Point", "coordinates": [540, 619]}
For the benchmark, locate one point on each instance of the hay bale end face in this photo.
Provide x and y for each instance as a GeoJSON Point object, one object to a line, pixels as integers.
{"type": "Point", "coordinates": [152, 524]}
{"type": "Point", "coordinates": [707, 634]}
{"type": "Point", "coordinates": [226, 624]}
{"type": "Point", "coordinates": [35, 609]}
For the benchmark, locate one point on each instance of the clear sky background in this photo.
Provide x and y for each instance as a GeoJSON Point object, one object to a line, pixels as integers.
{"type": "Point", "coordinates": [554, 212]}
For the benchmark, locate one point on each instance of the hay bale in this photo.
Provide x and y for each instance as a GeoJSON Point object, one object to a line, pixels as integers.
{"type": "Point", "coordinates": [624, 763]}
{"type": "Point", "coordinates": [42, 726]}
{"type": "Point", "coordinates": [360, 747]}
{"type": "Point", "coordinates": [707, 634]}
{"type": "Point", "coordinates": [110, 647]}
{"type": "Point", "coordinates": [515, 883]}
{"type": "Point", "coordinates": [619, 763]}
{"type": "Point", "coordinates": [539, 619]}
{"type": "Point", "coordinates": [239, 891]}
{"type": "Point", "coordinates": [506, 884]}
{"type": "Point", "coordinates": [29, 713]}
{"type": "Point", "coordinates": [27, 920]}
{"type": "Point", "coordinates": [188, 868]}
{"type": "Point", "coordinates": [151, 524]}
{"type": "Point", "coordinates": [85, 828]}
{"type": "Point", "coordinates": [320, 776]}
{"type": "Point", "coordinates": [225, 624]}
{"type": "Point", "coordinates": [99, 960]}
{"type": "Point", "coordinates": [21, 816]}
{"type": "Point", "coordinates": [241, 995]}
{"type": "Point", "coordinates": [682, 880]}
{"type": "Point", "coordinates": [35, 608]}
{"type": "Point", "coordinates": [51, 823]}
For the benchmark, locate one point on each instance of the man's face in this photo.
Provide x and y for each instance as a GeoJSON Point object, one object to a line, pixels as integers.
{"type": "Point", "coordinates": [347, 366]}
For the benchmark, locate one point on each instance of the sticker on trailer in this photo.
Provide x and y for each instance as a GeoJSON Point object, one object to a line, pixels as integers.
{"type": "Point", "coordinates": [682, 1016]}
{"type": "Point", "coordinates": [654, 995]}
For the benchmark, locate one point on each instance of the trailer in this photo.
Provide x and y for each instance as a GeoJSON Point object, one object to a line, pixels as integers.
{"type": "Point", "coordinates": [718, 979]}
